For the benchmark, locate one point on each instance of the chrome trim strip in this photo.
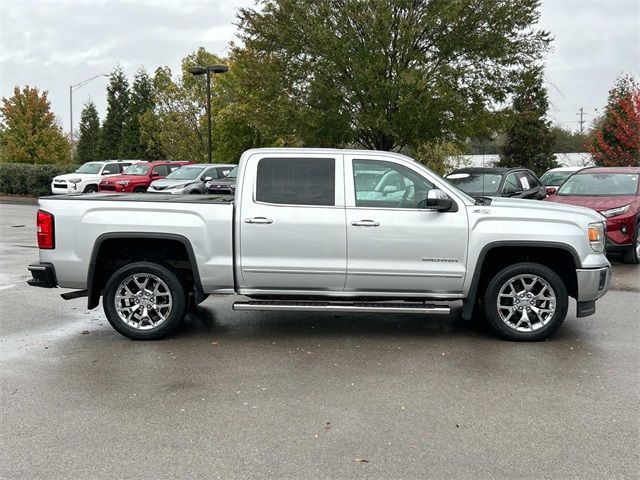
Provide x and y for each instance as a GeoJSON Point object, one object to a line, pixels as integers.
{"type": "Point", "coordinates": [439, 310]}
{"type": "Point", "coordinates": [401, 274]}
{"type": "Point", "coordinates": [277, 270]}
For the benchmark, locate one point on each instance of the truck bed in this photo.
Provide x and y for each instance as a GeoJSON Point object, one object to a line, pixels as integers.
{"type": "Point", "coordinates": [83, 222]}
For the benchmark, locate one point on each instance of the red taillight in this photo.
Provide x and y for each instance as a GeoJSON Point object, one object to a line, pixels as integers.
{"type": "Point", "coordinates": [45, 230]}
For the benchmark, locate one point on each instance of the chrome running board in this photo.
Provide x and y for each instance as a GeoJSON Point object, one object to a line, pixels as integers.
{"type": "Point", "coordinates": [362, 307]}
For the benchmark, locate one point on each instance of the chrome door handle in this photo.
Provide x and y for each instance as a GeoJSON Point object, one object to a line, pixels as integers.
{"type": "Point", "coordinates": [366, 223]}
{"type": "Point", "coordinates": [262, 220]}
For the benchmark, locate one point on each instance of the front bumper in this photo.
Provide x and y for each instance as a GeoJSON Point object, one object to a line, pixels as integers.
{"type": "Point", "coordinates": [43, 275]}
{"type": "Point", "coordinates": [593, 283]}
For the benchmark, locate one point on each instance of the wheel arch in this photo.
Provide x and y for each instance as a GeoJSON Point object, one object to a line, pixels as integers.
{"type": "Point", "coordinates": [97, 274]}
{"type": "Point", "coordinates": [563, 259]}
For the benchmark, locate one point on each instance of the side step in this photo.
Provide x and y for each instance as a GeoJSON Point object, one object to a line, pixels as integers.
{"type": "Point", "coordinates": [362, 307]}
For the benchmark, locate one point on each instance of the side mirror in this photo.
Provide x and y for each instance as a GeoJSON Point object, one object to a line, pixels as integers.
{"type": "Point", "coordinates": [155, 174]}
{"type": "Point", "coordinates": [207, 179]}
{"type": "Point", "coordinates": [551, 190]}
{"type": "Point", "coordinates": [438, 199]}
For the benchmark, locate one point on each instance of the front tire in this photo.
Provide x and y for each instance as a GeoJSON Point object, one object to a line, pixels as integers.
{"type": "Point", "coordinates": [91, 189]}
{"type": "Point", "coordinates": [140, 190]}
{"type": "Point", "coordinates": [632, 255]}
{"type": "Point", "coordinates": [525, 302]}
{"type": "Point", "coordinates": [144, 301]}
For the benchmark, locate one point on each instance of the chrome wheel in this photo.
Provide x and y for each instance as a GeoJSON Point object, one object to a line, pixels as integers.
{"type": "Point", "coordinates": [638, 245]}
{"type": "Point", "coordinates": [526, 303]}
{"type": "Point", "coordinates": [143, 301]}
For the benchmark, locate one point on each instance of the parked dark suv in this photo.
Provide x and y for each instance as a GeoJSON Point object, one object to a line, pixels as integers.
{"type": "Point", "coordinates": [224, 186]}
{"type": "Point", "coordinates": [498, 182]}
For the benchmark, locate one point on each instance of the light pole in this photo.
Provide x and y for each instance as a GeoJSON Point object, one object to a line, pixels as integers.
{"type": "Point", "coordinates": [207, 71]}
{"type": "Point", "coordinates": [73, 88]}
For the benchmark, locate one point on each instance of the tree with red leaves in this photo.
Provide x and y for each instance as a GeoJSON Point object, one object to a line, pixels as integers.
{"type": "Point", "coordinates": [615, 138]}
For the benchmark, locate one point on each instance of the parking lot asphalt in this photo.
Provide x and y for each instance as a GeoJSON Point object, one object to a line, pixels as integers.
{"type": "Point", "coordinates": [288, 395]}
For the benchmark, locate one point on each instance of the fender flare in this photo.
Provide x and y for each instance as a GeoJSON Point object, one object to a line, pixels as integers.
{"type": "Point", "coordinates": [94, 294]}
{"type": "Point", "coordinates": [468, 303]}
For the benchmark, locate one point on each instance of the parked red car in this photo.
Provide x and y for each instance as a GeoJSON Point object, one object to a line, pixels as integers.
{"type": "Point", "coordinates": [139, 176]}
{"type": "Point", "coordinates": [615, 193]}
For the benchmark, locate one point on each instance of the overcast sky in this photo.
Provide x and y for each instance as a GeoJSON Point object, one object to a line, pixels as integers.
{"type": "Point", "coordinates": [51, 45]}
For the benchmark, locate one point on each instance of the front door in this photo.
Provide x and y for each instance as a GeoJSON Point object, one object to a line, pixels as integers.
{"type": "Point", "coordinates": [292, 230]}
{"type": "Point", "coordinates": [394, 243]}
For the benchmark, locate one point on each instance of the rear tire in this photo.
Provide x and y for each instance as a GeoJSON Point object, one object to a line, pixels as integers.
{"type": "Point", "coordinates": [525, 302]}
{"type": "Point", "coordinates": [632, 255]}
{"type": "Point", "coordinates": [144, 301]}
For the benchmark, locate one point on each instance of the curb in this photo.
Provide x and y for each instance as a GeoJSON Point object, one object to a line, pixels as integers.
{"type": "Point", "coordinates": [18, 200]}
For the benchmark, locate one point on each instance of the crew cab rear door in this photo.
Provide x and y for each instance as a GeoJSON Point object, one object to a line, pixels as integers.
{"type": "Point", "coordinates": [395, 244]}
{"type": "Point", "coordinates": [292, 223]}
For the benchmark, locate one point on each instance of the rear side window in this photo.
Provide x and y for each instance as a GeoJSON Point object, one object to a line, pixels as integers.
{"type": "Point", "coordinates": [162, 170]}
{"type": "Point", "coordinates": [110, 169]}
{"type": "Point", "coordinates": [296, 181]}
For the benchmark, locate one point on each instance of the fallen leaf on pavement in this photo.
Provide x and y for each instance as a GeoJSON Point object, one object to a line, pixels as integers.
{"type": "Point", "coordinates": [361, 460]}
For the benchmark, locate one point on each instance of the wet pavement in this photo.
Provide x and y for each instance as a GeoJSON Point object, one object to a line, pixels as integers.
{"type": "Point", "coordinates": [288, 395]}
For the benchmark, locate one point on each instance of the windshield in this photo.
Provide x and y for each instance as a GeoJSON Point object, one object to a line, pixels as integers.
{"type": "Point", "coordinates": [554, 179]}
{"type": "Point", "coordinates": [482, 183]}
{"type": "Point", "coordinates": [90, 168]}
{"type": "Point", "coordinates": [137, 169]}
{"type": "Point", "coordinates": [233, 173]}
{"type": "Point", "coordinates": [600, 184]}
{"type": "Point", "coordinates": [185, 173]}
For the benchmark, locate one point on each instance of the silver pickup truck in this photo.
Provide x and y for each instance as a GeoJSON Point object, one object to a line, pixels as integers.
{"type": "Point", "coordinates": [325, 230]}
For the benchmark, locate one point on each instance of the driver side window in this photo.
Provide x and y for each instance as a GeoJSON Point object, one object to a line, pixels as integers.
{"type": "Point", "coordinates": [380, 184]}
{"type": "Point", "coordinates": [511, 185]}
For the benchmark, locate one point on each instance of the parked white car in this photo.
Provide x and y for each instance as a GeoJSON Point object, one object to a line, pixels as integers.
{"type": "Point", "coordinates": [554, 178]}
{"type": "Point", "coordinates": [86, 178]}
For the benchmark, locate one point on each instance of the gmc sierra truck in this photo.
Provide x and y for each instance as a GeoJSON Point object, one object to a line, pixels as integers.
{"type": "Point", "coordinates": [325, 230]}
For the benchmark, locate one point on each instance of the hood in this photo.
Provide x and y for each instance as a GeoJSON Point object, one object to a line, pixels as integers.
{"type": "Point", "coordinates": [68, 176]}
{"type": "Point", "coordinates": [131, 178]}
{"type": "Point", "coordinates": [595, 203]}
{"type": "Point", "coordinates": [544, 209]}
{"type": "Point", "coordinates": [223, 181]}
{"type": "Point", "coordinates": [167, 182]}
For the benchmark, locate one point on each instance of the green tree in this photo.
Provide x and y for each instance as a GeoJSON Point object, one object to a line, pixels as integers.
{"type": "Point", "coordinates": [177, 125]}
{"type": "Point", "coordinates": [615, 137]}
{"type": "Point", "coordinates": [140, 102]}
{"type": "Point", "coordinates": [117, 107]}
{"type": "Point", "coordinates": [529, 141]}
{"type": "Point", "coordinates": [567, 141]}
{"type": "Point", "coordinates": [28, 129]}
{"type": "Point", "coordinates": [87, 149]}
{"type": "Point", "coordinates": [383, 74]}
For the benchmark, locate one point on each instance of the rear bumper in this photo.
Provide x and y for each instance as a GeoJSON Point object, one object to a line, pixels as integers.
{"type": "Point", "coordinates": [43, 275]}
{"type": "Point", "coordinates": [593, 283]}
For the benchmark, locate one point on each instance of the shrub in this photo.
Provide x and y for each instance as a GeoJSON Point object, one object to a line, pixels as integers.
{"type": "Point", "coordinates": [30, 179]}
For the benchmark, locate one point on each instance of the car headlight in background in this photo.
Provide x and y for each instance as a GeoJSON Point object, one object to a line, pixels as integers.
{"type": "Point", "coordinates": [596, 235]}
{"type": "Point", "coordinates": [123, 182]}
{"type": "Point", "coordinates": [614, 212]}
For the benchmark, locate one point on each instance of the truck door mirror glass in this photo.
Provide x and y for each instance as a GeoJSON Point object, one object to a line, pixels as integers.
{"type": "Point", "coordinates": [208, 179]}
{"type": "Point", "coordinates": [439, 200]}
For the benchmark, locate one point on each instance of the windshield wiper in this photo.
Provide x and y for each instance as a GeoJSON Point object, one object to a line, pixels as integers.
{"type": "Point", "coordinates": [483, 200]}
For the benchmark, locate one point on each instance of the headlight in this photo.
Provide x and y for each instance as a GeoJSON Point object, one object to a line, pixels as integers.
{"type": "Point", "coordinates": [123, 182]}
{"type": "Point", "coordinates": [74, 180]}
{"type": "Point", "coordinates": [596, 236]}
{"type": "Point", "coordinates": [614, 212]}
